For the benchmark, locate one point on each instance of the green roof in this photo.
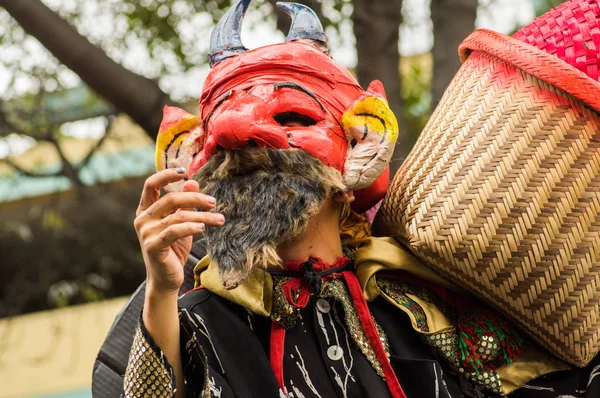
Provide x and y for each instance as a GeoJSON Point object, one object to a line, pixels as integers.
{"type": "Point", "coordinates": [102, 168]}
{"type": "Point", "coordinates": [58, 107]}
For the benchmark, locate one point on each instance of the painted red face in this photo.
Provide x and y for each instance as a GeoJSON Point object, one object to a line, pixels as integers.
{"type": "Point", "coordinates": [274, 97]}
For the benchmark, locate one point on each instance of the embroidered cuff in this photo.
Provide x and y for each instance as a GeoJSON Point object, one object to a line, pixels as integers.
{"type": "Point", "coordinates": [148, 373]}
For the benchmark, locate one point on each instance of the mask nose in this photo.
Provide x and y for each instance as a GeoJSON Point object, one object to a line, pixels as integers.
{"type": "Point", "coordinates": [243, 120]}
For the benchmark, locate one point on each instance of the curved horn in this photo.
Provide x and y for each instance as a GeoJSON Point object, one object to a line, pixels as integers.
{"type": "Point", "coordinates": [305, 24]}
{"type": "Point", "coordinates": [225, 40]}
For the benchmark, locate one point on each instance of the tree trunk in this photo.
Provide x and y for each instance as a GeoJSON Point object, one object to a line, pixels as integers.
{"type": "Point", "coordinates": [377, 27]}
{"type": "Point", "coordinates": [453, 21]}
{"type": "Point", "coordinates": [132, 94]}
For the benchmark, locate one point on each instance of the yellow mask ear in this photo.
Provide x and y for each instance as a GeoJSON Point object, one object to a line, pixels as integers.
{"type": "Point", "coordinates": [179, 140]}
{"type": "Point", "coordinates": [371, 129]}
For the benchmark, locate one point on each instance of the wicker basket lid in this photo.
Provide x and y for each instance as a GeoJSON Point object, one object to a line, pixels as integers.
{"type": "Point", "coordinates": [560, 47]}
{"type": "Point", "coordinates": [501, 193]}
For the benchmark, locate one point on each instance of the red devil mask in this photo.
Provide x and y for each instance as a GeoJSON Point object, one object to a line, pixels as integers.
{"type": "Point", "coordinates": [288, 95]}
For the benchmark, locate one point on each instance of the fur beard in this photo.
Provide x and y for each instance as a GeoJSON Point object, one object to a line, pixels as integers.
{"type": "Point", "coordinates": [267, 197]}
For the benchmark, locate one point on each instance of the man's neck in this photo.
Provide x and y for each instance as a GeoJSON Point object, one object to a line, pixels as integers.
{"type": "Point", "coordinates": [321, 239]}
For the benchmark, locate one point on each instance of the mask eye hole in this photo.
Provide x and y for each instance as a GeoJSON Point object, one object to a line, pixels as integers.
{"type": "Point", "coordinates": [294, 119]}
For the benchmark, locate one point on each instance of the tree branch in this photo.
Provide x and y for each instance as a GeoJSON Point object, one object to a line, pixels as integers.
{"type": "Point", "coordinates": [28, 173]}
{"type": "Point", "coordinates": [453, 20]}
{"type": "Point", "coordinates": [135, 95]}
{"type": "Point", "coordinates": [67, 168]}
{"type": "Point", "coordinates": [97, 146]}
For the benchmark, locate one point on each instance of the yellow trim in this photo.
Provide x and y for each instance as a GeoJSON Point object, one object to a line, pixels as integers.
{"type": "Point", "coordinates": [385, 254]}
{"type": "Point", "coordinates": [531, 363]}
{"type": "Point", "coordinates": [436, 320]}
{"type": "Point", "coordinates": [254, 294]}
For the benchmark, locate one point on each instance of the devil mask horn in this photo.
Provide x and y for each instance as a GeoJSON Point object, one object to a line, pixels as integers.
{"type": "Point", "coordinates": [225, 40]}
{"type": "Point", "coordinates": [305, 25]}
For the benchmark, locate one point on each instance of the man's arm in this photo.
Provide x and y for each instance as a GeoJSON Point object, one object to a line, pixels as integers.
{"type": "Point", "coordinates": [165, 227]}
{"type": "Point", "coordinates": [161, 319]}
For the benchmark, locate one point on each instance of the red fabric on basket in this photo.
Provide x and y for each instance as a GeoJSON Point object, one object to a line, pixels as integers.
{"type": "Point", "coordinates": [560, 47]}
{"type": "Point", "coordinates": [570, 32]}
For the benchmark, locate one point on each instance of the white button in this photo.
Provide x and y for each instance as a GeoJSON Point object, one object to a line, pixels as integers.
{"type": "Point", "coordinates": [323, 306]}
{"type": "Point", "coordinates": [335, 352]}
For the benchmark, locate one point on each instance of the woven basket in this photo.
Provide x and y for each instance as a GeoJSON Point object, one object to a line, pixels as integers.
{"type": "Point", "coordinates": [501, 193]}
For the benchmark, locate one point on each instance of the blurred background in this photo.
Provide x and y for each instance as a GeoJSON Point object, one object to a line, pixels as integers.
{"type": "Point", "coordinates": [82, 86]}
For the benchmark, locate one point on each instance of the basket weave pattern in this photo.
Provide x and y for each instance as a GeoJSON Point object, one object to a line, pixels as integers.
{"type": "Point", "coordinates": [502, 195]}
{"type": "Point", "coordinates": [571, 32]}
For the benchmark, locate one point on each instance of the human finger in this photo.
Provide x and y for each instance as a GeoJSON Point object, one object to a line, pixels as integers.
{"type": "Point", "coordinates": [172, 234]}
{"type": "Point", "coordinates": [157, 181]}
{"type": "Point", "coordinates": [183, 216]}
{"type": "Point", "coordinates": [174, 201]}
{"type": "Point", "coordinates": [154, 227]}
{"type": "Point", "coordinates": [190, 186]}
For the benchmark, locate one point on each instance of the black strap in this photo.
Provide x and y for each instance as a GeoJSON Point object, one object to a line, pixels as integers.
{"type": "Point", "coordinates": [308, 274]}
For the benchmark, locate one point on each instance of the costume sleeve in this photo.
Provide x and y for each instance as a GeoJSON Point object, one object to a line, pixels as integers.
{"type": "Point", "coordinates": [148, 373]}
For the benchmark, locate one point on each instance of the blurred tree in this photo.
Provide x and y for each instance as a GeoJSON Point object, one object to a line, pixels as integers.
{"type": "Point", "coordinates": [131, 51]}
{"type": "Point", "coordinates": [158, 23]}
{"type": "Point", "coordinates": [376, 28]}
{"type": "Point", "coordinates": [541, 6]}
{"type": "Point", "coordinates": [453, 21]}
{"type": "Point", "coordinates": [416, 74]}
{"type": "Point", "coordinates": [135, 95]}
{"type": "Point", "coordinates": [65, 252]}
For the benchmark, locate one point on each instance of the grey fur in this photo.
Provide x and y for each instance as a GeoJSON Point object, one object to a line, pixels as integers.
{"type": "Point", "coordinates": [267, 197]}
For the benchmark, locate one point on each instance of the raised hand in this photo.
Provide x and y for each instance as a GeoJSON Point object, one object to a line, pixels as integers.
{"type": "Point", "coordinates": [165, 227]}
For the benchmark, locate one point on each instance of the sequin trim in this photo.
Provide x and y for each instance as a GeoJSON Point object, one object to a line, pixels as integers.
{"type": "Point", "coordinates": [444, 343]}
{"type": "Point", "coordinates": [337, 290]}
{"type": "Point", "coordinates": [148, 373]}
{"type": "Point", "coordinates": [286, 315]}
{"type": "Point", "coordinates": [397, 290]}
{"type": "Point", "coordinates": [282, 311]}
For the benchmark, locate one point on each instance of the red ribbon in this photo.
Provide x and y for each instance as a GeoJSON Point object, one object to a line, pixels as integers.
{"type": "Point", "coordinates": [295, 283]}
{"type": "Point", "coordinates": [371, 331]}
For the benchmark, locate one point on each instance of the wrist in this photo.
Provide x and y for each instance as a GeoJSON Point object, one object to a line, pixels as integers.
{"type": "Point", "coordinates": [156, 292]}
{"type": "Point", "coordinates": [157, 303]}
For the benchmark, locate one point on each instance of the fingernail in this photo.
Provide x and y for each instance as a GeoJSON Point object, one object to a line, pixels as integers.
{"type": "Point", "coordinates": [180, 170]}
{"type": "Point", "coordinates": [211, 200]}
{"type": "Point", "coordinates": [220, 218]}
{"type": "Point", "coordinates": [202, 226]}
